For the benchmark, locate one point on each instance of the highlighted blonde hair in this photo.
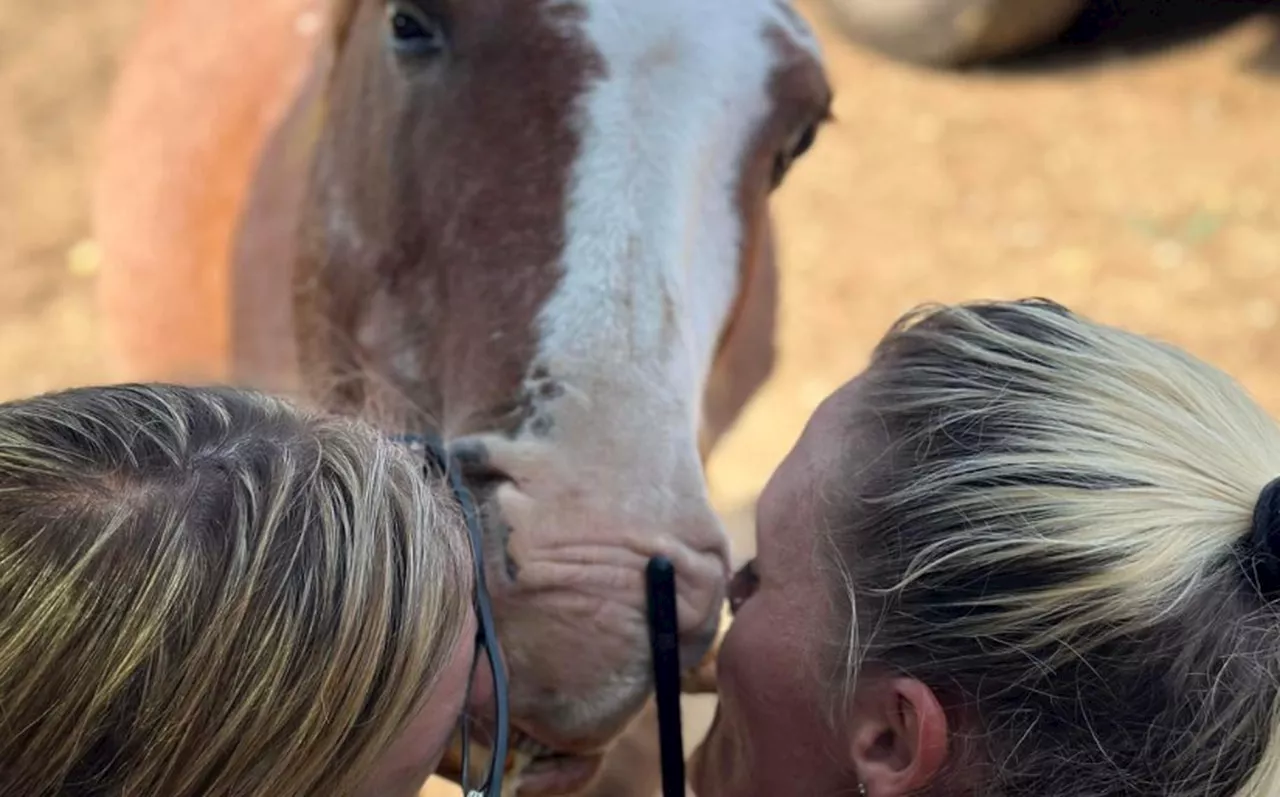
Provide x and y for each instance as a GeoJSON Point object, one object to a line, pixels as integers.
{"type": "Point", "coordinates": [210, 592]}
{"type": "Point", "coordinates": [1051, 541]}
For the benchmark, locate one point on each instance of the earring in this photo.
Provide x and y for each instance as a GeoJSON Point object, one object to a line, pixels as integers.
{"type": "Point", "coordinates": [862, 790]}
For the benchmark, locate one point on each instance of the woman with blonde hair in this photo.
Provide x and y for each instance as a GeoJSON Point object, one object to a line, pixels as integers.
{"type": "Point", "coordinates": [211, 592]}
{"type": "Point", "coordinates": [1022, 555]}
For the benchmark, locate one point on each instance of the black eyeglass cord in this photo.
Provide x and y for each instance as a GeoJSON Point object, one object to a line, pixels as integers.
{"type": "Point", "coordinates": [434, 454]}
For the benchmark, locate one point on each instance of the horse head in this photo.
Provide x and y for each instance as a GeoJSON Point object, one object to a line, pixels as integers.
{"type": "Point", "coordinates": [537, 228]}
{"type": "Point", "coordinates": [531, 225]}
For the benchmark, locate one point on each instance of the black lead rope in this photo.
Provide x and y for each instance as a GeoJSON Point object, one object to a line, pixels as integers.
{"type": "Point", "coordinates": [664, 640]}
{"type": "Point", "coordinates": [434, 455]}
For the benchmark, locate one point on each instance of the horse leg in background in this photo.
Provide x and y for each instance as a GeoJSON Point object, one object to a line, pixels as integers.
{"type": "Point", "coordinates": [174, 171]}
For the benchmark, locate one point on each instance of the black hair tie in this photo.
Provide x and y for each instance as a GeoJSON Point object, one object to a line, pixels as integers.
{"type": "Point", "coordinates": [1262, 557]}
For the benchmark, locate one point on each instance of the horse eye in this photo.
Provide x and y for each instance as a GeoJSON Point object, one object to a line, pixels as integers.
{"type": "Point", "coordinates": [804, 142]}
{"type": "Point", "coordinates": [414, 33]}
{"type": "Point", "coordinates": [742, 586]}
{"type": "Point", "coordinates": [795, 148]}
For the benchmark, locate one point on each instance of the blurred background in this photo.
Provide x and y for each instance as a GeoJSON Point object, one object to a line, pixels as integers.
{"type": "Point", "coordinates": [1130, 169]}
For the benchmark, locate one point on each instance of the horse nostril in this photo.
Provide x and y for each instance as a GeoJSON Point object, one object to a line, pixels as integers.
{"type": "Point", "coordinates": [482, 479]}
{"type": "Point", "coordinates": [477, 472]}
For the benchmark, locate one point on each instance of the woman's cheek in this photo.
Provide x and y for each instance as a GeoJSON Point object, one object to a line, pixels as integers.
{"type": "Point", "coordinates": [734, 680]}
{"type": "Point", "coordinates": [729, 659]}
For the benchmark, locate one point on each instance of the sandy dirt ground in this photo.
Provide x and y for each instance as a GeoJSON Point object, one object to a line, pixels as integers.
{"type": "Point", "coordinates": [1134, 178]}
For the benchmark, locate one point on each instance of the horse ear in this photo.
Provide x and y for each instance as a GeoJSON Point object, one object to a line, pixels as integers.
{"type": "Point", "coordinates": [745, 357]}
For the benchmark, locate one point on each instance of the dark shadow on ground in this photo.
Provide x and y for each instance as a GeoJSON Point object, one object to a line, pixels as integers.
{"type": "Point", "coordinates": [1135, 28]}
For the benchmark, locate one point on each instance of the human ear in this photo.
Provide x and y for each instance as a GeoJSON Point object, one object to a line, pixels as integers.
{"type": "Point", "coordinates": [898, 736]}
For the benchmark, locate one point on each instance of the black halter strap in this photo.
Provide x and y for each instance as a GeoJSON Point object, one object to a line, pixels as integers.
{"type": "Point", "coordinates": [435, 456]}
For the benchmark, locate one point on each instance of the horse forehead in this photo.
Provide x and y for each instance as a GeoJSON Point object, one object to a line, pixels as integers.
{"type": "Point", "coordinates": [711, 33]}
{"type": "Point", "coordinates": [671, 125]}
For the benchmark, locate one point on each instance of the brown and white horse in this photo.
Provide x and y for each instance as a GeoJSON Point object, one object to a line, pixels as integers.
{"type": "Point", "coordinates": [538, 227]}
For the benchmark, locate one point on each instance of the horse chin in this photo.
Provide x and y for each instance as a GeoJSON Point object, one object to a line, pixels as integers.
{"type": "Point", "coordinates": [558, 774]}
{"type": "Point", "coordinates": [553, 733]}
{"type": "Point", "coordinates": [531, 769]}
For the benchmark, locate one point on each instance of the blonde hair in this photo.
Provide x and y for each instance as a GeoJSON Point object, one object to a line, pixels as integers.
{"type": "Point", "coordinates": [210, 592]}
{"type": "Point", "coordinates": [1052, 541]}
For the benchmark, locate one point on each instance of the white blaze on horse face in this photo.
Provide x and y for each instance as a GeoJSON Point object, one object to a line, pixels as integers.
{"type": "Point", "coordinates": [607, 472]}
{"type": "Point", "coordinates": [654, 223]}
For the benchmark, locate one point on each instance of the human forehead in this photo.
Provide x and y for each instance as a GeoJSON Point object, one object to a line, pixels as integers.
{"type": "Point", "coordinates": [805, 488]}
